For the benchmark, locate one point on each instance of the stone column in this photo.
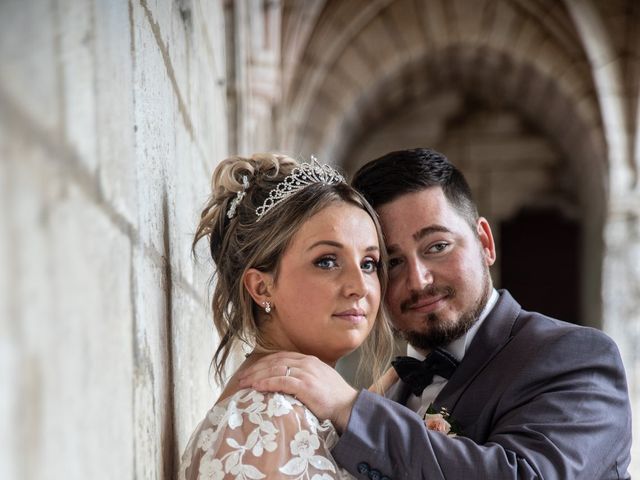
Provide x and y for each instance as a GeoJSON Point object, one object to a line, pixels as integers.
{"type": "Point", "coordinates": [621, 295]}
{"type": "Point", "coordinates": [253, 49]}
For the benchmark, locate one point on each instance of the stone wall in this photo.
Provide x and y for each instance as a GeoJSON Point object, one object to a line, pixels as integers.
{"type": "Point", "coordinates": [112, 114]}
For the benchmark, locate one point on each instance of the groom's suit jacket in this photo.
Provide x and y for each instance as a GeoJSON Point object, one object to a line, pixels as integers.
{"type": "Point", "coordinates": [535, 398]}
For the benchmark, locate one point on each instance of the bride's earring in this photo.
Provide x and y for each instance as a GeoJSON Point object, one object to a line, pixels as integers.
{"type": "Point", "coordinates": [267, 307]}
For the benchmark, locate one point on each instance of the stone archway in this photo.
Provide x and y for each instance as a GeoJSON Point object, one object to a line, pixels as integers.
{"type": "Point", "coordinates": [360, 67]}
{"type": "Point", "coordinates": [569, 69]}
{"type": "Point", "coordinates": [455, 73]}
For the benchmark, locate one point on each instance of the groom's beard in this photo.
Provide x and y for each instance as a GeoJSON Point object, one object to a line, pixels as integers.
{"type": "Point", "coordinates": [440, 333]}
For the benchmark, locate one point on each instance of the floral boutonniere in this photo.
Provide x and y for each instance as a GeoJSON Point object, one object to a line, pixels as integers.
{"type": "Point", "coordinates": [441, 421]}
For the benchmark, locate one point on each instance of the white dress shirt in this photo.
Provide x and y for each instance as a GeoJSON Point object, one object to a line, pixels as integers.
{"type": "Point", "coordinates": [457, 348]}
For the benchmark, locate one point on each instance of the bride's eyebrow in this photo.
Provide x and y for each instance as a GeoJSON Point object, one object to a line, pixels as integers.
{"type": "Point", "coordinates": [331, 243]}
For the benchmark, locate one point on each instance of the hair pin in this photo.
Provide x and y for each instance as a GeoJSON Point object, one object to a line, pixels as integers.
{"type": "Point", "coordinates": [239, 196]}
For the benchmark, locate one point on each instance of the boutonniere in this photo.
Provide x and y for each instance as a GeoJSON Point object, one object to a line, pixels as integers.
{"type": "Point", "coordinates": [441, 421]}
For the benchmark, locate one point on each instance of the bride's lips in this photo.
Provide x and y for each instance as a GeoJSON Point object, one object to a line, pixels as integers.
{"type": "Point", "coordinates": [427, 305]}
{"type": "Point", "coordinates": [353, 315]}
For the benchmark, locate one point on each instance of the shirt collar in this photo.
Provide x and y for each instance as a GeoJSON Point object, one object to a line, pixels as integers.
{"type": "Point", "coordinates": [459, 347]}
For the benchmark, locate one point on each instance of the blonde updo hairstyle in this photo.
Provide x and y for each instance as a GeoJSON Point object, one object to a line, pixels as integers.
{"type": "Point", "coordinates": [242, 242]}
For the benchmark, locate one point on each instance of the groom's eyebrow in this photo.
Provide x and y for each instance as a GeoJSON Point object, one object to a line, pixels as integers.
{"type": "Point", "coordinates": [420, 234]}
{"type": "Point", "coordinates": [431, 229]}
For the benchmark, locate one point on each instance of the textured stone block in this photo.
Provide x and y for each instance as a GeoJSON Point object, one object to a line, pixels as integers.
{"type": "Point", "coordinates": [112, 38]}
{"type": "Point", "coordinates": [193, 341]}
{"type": "Point", "coordinates": [188, 188]}
{"type": "Point", "coordinates": [89, 373]}
{"type": "Point", "coordinates": [29, 51]}
{"type": "Point", "coordinates": [504, 19]}
{"type": "Point", "coordinates": [375, 39]}
{"type": "Point", "coordinates": [356, 65]}
{"type": "Point", "coordinates": [517, 188]}
{"type": "Point", "coordinates": [152, 385]}
{"type": "Point", "coordinates": [467, 22]}
{"type": "Point", "coordinates": [436, 23]}
{"type": "Point", "coordinates": [156, 112]}
{"type": "Point", "coordinates": [511, 153]}
{"type": "Point", "coordinates": [72, 325]}
{"type": "Point", "coordinates": [76, 23]}
{"type": "Point", "coordinates": [405, 23]}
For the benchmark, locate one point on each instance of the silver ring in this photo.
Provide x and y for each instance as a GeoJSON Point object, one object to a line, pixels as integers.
{"type": "Point", "coordinates": [288, 371]}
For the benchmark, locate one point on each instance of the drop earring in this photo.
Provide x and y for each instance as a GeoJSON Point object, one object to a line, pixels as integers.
{"type": "Point", "coordinates": [267, 307]}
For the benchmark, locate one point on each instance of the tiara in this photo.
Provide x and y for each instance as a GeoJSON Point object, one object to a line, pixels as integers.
{"type": "Point", "coordinates": [300, 177]}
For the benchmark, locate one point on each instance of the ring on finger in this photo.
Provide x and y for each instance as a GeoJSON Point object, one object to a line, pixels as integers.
{"type": "Point", "coordinates": [288, 371]}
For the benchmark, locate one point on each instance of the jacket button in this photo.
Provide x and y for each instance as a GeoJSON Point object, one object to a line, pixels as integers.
{"type": "Point", "coordinates": [374, 474]}
{"type": "Point", "coordinates": [363, 467]}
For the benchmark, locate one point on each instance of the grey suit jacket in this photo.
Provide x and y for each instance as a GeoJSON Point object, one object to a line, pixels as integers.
{"type": "Point", "coordinates": [535, 398]}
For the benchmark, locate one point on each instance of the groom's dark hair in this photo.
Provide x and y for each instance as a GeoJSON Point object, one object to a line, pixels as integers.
{"type": "Point", "coordinates": [407, 171]}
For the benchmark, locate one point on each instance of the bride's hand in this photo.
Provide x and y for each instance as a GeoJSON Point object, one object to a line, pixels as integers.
{"type": "Point", "coordinates": [384, 382]}
{"type": "Point", "coordinates": [317, 385]}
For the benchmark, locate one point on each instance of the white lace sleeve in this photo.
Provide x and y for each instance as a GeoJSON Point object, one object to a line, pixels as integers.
{"type": "Point", "coordinates": [255, 436]}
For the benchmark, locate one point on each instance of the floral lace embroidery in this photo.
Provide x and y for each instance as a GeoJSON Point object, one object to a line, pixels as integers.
{"type": "Point", "coordinates": [253, 435]}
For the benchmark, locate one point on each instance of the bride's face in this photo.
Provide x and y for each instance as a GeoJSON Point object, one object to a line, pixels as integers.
{"type": "Point", "coordinates": [327, 294]}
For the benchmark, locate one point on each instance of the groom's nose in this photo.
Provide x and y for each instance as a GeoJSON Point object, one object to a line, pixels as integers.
{"type": "Point", "coordinates": [419, 275]}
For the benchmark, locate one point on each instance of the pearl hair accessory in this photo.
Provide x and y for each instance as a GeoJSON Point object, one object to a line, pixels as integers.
{"type": "Point", "coordinates": [239, 196]}
{"type": "Point", "coordinates": [302, 176]}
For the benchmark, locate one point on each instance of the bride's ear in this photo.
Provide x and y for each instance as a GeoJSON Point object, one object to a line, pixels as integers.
{"type": "Point", "coordinates": [258, 284]}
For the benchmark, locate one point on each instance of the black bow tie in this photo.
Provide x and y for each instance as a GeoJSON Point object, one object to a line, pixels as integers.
{"type": "Point", "coordinates": [418, 374]}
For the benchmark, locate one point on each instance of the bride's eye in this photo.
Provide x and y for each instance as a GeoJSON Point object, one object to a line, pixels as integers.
{"type": "Point", "coordinates": [370, 265]}
{"type": "Point", "coordinates": [326, 263]}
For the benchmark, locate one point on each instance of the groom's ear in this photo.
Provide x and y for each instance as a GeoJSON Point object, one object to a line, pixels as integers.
{"type": "Point", "coordinates": [258, 284]}
{"type": "Point", "coordinates": [486, 240]}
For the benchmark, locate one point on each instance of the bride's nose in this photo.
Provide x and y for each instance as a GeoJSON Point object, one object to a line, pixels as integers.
{"type": "Point", "coordinates": [354, 282]}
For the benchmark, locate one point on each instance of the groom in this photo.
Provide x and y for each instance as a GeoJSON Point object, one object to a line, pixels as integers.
{"type": "Point", "coordinates": [533, 397]}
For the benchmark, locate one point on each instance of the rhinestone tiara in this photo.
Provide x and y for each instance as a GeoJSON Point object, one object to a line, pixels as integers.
{"type": "Point", "coordinates": [300, 177]}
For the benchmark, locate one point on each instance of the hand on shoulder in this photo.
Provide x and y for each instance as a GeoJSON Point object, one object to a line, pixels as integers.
{"type": "Point", "coordinates": [317, 385]}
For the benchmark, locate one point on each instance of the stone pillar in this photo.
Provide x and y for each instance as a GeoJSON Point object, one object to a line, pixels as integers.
{"type": "Point", "coordinates": [254, 29]}
{"type": "Point", "coordinates": [621, 296]}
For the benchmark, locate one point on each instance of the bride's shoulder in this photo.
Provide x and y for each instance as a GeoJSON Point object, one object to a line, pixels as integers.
{"type": "Point", "coordinates": [255, 422]}
{"type": "Point", "coordinates": [271, 404]}
{"type": "Point", "coordinates": [260, 407]}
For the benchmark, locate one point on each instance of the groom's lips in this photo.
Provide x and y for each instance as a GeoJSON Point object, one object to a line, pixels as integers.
{"type": "Point", "coordinates": [427, 305]}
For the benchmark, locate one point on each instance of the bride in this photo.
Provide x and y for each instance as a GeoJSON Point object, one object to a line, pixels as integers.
{"type": "Point", "coordinates": [299, 266]}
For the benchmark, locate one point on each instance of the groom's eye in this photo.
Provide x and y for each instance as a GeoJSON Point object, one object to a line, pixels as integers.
{"type": "Point", "coordinates": [438, 247]}
{"type": "Point", "coordinates": [394, 262]}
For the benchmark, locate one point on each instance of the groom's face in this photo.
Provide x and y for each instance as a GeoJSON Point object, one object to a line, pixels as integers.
{"type": "Point", "coordinates": [438, 267]}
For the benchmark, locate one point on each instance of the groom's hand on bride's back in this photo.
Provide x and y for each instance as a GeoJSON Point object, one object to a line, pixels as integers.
{"type": "Point", "coordinates": [317, 385]}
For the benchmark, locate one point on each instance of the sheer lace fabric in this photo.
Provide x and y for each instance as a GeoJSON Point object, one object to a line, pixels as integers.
{"type": "Point", "coordinates": [251, 435]}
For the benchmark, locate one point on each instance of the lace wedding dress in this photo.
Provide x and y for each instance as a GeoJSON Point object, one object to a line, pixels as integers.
{"type": "Point", "coordinates": [251, 435]}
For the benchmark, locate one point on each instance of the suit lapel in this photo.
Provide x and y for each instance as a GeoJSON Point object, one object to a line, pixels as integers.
{"type": "Point", "coordinates": [493, 335]}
